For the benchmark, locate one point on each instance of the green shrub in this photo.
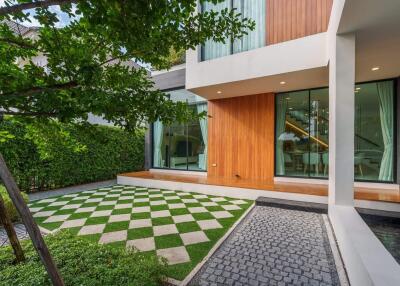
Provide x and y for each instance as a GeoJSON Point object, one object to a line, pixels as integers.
{"type": "Point", "coordinates": [82, 263]}
{"type": "Point", "coordinates": [12, 212]}
{"type": "Point", "coordinates": [42, 159]}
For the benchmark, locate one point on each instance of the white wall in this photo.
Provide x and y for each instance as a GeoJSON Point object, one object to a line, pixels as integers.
{"type": "Point", "coordinates": [296, 55]}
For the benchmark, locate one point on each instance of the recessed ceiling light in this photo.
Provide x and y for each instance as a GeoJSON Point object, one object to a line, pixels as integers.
{"type": "Point", "coordinates": [283, 82]}
{"type": "Point", "coordinates": [219, 92]}
{"type": "Point", "coordinates": [375, 68]}
{"type": "Point", "coordinates": [358, 88]}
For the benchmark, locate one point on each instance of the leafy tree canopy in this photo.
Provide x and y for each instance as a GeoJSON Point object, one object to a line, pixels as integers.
{"type": "Point", "coordinates": [86, 68]}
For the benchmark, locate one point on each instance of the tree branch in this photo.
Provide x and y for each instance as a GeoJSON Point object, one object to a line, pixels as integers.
{"type": "Point", "coordinates": [35, 90]}
{"type": "Point", "coordinates": [29, 114]}
{"type": "Point", "coordinates": [32, 5]}
{"type": "Point", "coordinates": [16, 42]}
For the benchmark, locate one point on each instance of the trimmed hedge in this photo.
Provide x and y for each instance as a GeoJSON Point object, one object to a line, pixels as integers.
{"type": "Point", "coordinates": [42, 160]}
{"type": "Point", "coordinates": [82, 262]}
{"type": "Point", "coordinates": [10, 208]}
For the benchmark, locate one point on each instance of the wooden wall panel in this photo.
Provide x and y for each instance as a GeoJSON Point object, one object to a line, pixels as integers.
{"type": "Point", "coordinates": [292, 19]}
{"type": "Point", "coordinates": [241, 138]}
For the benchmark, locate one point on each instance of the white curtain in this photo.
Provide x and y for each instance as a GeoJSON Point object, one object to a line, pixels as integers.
{"type": "Point", "coordinates": [158, 140]}
{"type": "Point", "coordinates": [211, 49]}
{"type": "Point", "coordinates": [280, 129]}
{"type": "Point", "coordinates": [204, 134]}
{"type": "Point", "coordinates": [255, 10]}
{"type": "Point", "coordinates": [385, 94]}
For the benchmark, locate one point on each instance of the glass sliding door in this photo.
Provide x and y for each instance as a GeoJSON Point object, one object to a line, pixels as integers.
{"type": "Point", "coordinates": [182, 146]}
{"type": "Point", "coordinates": [302, 126]}
{"type": "Point", "coordinates": [292, 136]}
{"type": "Point", "coordinates": [374, 130]}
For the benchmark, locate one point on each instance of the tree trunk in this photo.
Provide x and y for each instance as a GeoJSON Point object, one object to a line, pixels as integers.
{"type": "Point", "coordinates": [12, 236]}
{"type": "Point", "coordinates": [30, 224]}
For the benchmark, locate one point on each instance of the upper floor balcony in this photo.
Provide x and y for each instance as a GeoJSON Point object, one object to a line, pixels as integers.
{"type": "Point", "coordinates": [289, 36]}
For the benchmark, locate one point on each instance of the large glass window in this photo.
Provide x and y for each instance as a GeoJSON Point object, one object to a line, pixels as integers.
{"type": "Point", "coordinates": [374, 131]}
{"type": "Point", "coordinates": [182, 146]}
{"type": "Point", "coordinates": [302, 133]}
{"type": "Point", "coordinates": [302, 124]}
{"type": "Point", "coordinates": [251, 9]}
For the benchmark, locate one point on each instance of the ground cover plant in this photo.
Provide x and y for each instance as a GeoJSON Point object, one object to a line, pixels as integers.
{"type": "Point", "coordinates": [179, 226]}
{"type": "Point", "coordinates": [82, 262]}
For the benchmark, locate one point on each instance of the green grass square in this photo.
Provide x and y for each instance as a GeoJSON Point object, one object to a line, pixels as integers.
{"type": "Point", "coordinates": [97, 220]}
{"type": "Point", "coordinates": [140, 215]}
{"type": "Point", "coordinates": [141, 204]}
{"type": "Point", "coordinates": [48, 208]}
{"type": "Point", "coordinates": [162, 220]}
{"type": "Point", "coordinates": [115, 226]}
{"type": "Point", "coordinates": [64, 212]}
{"type": "Point", "coordinates": [187, 197]}
{"type": "Point", "coordinates": [169, 194]}
{"type": "Point", "coordinates": [177, 201]}
{"type": "Point", "coordinates": [187, 227]}
{"type": "Point", "coordinates": [119, 202]}
{"type": "Point", "coordinates": [88, 205]}
{"type": "Point", "coordinates": [179, 211]}
{"type": "Point", "coordinates": [118, 244]}
{"type": "Point", "coordinates": [104, 208]}
{"type": "Point", "coordinates": [79, 215]}
{"type": "Point", "coordinates": [193, 205]}
{"type": "Point", "coordinates": [142, 232]}
{"type": "Point", "coordinates": [51, 225]}
{"type": "Point", "coordinates": [159, 208]}
{"type": "Point", "coordinates": [214, 208]}
{"type": "Point", "coordinates": [157, 199]}
{"type": "Point", "coordinates": [202, 216]}
{"type": "Point", "coordinates": [121, 211]}
{"type": "Point", "coordinates": [92, 237]}
{"type": "Point", "coordinates": [167, 241]}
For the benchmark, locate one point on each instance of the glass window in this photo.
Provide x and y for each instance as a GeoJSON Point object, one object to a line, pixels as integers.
{"type": "Point", "coordinates": [251, 9]}
{"type": "Point", "coordinates": [182, 146]}
{"type": "Point", "coordinates": [302, 125]}
{"type": "Point", "coordinates": [374, 131]}
{"type": "Point", "coordinates": [292, 134]}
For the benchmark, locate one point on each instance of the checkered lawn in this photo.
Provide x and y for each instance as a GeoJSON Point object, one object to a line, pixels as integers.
{"type": "Point", "coordinates": [180, 226]}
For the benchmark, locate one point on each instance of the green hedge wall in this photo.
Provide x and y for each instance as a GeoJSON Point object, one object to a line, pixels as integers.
{"type": "Point", "coordinates": [101, 153]}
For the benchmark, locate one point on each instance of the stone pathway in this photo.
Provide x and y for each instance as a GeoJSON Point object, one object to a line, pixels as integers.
{"type": "Point", "coordinates": [19, 229]}
{"type": "Point", "coordinates": [273, 246]}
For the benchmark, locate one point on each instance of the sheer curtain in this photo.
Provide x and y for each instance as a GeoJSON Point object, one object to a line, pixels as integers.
{"type": "Point", "coordinates": [204, 134]}
{"type": "Point", "coordinates": [255, 10]}
{"type": "Point", "coordinates": [211, 49]}
{"type": "Point", "coordinates": [158, 140]}
{"type": "Point", "coordinates": [385, 94]}
{"type": "Point", "coordinates": [280, 129]}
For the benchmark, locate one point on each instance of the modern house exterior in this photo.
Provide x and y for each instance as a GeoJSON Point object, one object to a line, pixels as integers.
{"type": "Point", "coordinates": [309, 97]}
{"type": "Point", "coordinates": [271, 96]}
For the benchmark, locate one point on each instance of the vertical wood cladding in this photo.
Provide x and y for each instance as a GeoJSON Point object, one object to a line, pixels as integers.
{"type": "Point", "coordinates": [291, 19]}
{"type": "Point", "coordinates": [241, 138]}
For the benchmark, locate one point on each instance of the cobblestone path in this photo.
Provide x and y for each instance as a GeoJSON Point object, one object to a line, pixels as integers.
{"type": "Point", "coordinates": [273, 246]}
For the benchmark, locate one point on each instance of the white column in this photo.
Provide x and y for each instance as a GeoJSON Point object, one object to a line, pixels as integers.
{"type": "Point", "coordinates": [341, 120]}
